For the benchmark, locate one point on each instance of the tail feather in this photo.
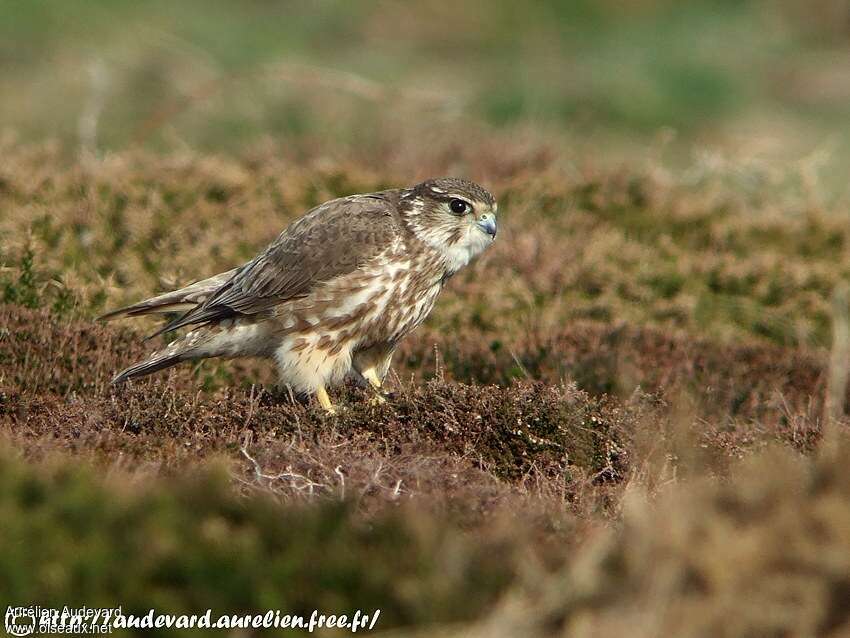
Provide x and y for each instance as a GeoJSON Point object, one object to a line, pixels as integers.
{"type": "Point", "coordinates": [144, 368]}
{"type": "Point", "coordinates": [197, 344]}
{"type": "Point", "coordinates": [147, 307]}
{"type": "Point", "coordinates": [176, 301]}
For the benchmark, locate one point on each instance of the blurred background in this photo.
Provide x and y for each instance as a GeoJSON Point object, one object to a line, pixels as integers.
{"type": "Point", "coordinates": [763, 78]}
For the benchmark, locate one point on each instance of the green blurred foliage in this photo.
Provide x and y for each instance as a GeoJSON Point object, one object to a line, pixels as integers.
{"type": "Point", "coordinates": [220, 74]}
{"type": "Point", "coordinates": [190, 544]}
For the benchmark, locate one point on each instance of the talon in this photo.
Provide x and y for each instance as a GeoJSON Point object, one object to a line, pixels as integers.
{"type": "Point", "coordinates": [372, 377]}
{"type": "Point", "coordinates": [375, 384]}
{"type": "Point", "coordinates": [378, 399]}
{"type": "Point", "coordinates": [325, 401]}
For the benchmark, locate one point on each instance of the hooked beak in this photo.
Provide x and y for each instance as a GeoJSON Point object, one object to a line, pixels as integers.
{"type": "Point", "coordinates": [487, 223]}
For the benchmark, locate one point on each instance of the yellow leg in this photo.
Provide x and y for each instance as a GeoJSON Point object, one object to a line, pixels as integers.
{"type": "Point", "coordinates": [324, 400]}
{"type": "Point", "coordinates": [372, 377]}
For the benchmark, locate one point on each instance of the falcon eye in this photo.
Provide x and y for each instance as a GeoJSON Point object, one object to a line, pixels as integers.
{"type": "Point", "coordinates": [458, 206]}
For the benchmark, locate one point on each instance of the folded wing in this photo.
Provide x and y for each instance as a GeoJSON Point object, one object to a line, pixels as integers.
{"type": "Point", "coordinates": [331, 240]}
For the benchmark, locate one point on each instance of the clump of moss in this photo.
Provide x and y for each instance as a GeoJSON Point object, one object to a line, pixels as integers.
{"type": "Point", "coordinates": [22, 289]}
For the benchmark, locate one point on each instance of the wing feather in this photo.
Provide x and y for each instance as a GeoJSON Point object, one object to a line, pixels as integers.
{"type": "Point", "coordinates": [333, 239]}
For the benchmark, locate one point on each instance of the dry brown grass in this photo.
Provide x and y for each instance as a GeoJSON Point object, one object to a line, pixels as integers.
{"type": "Point", "coordinates": [763, 553]}
{"type": "Point", "coordinates": [725, 251]}
{"type": "Point", "coordinates": [582, 398]}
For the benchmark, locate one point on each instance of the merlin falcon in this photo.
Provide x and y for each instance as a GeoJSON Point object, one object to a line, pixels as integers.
{"type": "Point", "coordinates": [336, 292]}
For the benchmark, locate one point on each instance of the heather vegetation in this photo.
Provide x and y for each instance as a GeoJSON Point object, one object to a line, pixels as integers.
{"type": "Point", "coordinates": [626, 418]}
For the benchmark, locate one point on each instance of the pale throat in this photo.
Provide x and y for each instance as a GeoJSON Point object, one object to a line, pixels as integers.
{"type": "Point", "coordinates": [458, 253]}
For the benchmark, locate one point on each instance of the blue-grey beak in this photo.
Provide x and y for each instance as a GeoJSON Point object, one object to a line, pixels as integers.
{"type": "Point", "coordinates": [487, 223]}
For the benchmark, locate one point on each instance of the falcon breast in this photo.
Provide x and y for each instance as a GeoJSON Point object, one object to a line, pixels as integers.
{"type": "Point", "coordinates": [336, 291]}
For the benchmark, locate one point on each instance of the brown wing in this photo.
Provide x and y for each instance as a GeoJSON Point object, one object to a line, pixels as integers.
{"type": "Point", "coordinates": [332, 239]}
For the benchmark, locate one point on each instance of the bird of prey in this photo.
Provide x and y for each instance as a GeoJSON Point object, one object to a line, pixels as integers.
{"type": "Point", "coordinates": [336, 291]}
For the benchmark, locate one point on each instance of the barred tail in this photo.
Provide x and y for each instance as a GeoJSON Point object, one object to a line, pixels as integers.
{"type": "Point", "coordinates": [197, 344]}
{"type": "Point", "coordinates": [143, 368]}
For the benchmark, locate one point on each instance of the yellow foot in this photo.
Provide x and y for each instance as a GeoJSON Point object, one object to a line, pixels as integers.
{"type": "Point", "coordinates": [372, 377]}
{"type": "Point", "coordinates": [375, 382]}
{"type": "Point", "coordinates": [325, 401]}
{"type": "Point", "coordinates": [378, 399]}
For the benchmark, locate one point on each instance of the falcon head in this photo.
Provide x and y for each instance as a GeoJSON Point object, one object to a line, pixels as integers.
{"type": "Point", "coordinates": [454, 216]}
